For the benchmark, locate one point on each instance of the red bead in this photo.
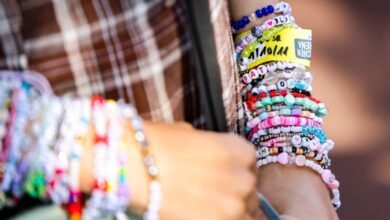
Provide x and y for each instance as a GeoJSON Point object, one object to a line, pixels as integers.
{"type": "Point", "coordinates": [102, 185]}
{"type": "Point", "coordinates": [262, 95]}
{"type": "Point", "coordinates": [253, 99]}
{"type": "Point", "coordinates": [251, 106]}
{"type": "Point", "coordinates": [103, 139]}
{"type": "Point", "coordinates": [74, 208]}
{"type": "Point", "coordinates": [273, 93]}
{"type": "Point", "coordinates": [298, 95]}
{"type": "Point", "coordinates": [248, 95]}
{"type": "Point", "coordinates": [283, 92]}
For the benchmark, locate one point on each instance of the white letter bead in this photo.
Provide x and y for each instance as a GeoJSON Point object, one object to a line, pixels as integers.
{"type": "Point", "coordinates": [271, 66]}
{"type": "Point", "coordinates": [262, 70]}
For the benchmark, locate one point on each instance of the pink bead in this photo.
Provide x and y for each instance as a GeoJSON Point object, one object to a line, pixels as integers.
{"type": "Point", "coordinates": [298, 121]}
{"type": "Point", "coordinates": [296, 140]}
{"type": "Point", "coordinates": [283, 158]}
{"type": "Point", "coordinates": [253, 74]}
{"type": "Point", "coordinates": [300, 160]}
{"type": "Point", "coordinates": [276, 121]}
{"type": "Point", "coordinates": [334, 184]}
{"type": "Point", "coordinates": [254, 122]}
{"type": "Point", "coordinates": [326, 175]}
{"type": "Point", "coordinates": [246, 79]}
{"type": "Point", "coordinates": [314, 144]}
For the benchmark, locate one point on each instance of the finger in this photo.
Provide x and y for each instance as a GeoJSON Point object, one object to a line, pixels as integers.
{"type": "Point", "coordinates": [184, 125]}
{"type": "Point", "coordinates": [239, 151]}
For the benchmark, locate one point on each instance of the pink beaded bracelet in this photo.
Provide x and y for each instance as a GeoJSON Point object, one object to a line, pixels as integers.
{"type": "Point", "coordinates": [327, 176]}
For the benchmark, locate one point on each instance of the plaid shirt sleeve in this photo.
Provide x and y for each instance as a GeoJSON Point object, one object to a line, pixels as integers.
{"type": "Point", "coordinates": [137, 50]}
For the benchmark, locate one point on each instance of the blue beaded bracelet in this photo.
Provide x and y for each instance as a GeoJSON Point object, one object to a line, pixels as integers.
{"type": "Point", "coordinates": [281, 7]}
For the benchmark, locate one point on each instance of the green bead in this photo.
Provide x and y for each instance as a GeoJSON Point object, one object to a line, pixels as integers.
{"type": "Point", "coordinates": [285, 111]}
{"type": "Point", "coordinates": [289, 100]}
{"type": "Point", "coordinates": [245, 53]}
{"type": "Point", "coordinates": [266, 101]}
{"type": "Point", "coordinates": [314, 107]}
{"type": "Point", "coordinates": [277, 99]}
{"type": "Point", "coordinates": [299, 101]}
{"type": "Point", "coordinates": [258, 105]}
{"type": "Point", "coordinates": [307, 103]}
{"type": "Point", "coordinates": [322, 112]}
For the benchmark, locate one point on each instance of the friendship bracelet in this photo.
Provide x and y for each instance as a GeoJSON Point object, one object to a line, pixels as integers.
{"type": "Point", "coordinates": [281, 121]}
{"type": "Point", "coordinates": [247, 43]}
{"type": "Point", "coordinates": [256, 134]}
{"type": "Point", "coordinates": [321, 159]}
{"type": "Point", "coordinates": [244, 49]}
{"type": "Point", "coordinates": [296, 140]}
{"type": "Point", "coordinates": [318, 108]}
{"type": "Point", "coordinates": [155, 197]}
{"type": "Point", "coordinates": [258, 30]}
{"type": "Point", "coordinates": [94, 206]}
{"type": "Point", "coordinates": [267, 115]}
{"type": "Point", "coordinates": [281, 7]}
{"type": "Point", "coordinates": [327, 176]}
{"type": "Point", "coordinates": [289, 134]}
{"type": "Point", "coordinates": [272, 67]}
{"type": "Point", "coordinates": [81, 110]}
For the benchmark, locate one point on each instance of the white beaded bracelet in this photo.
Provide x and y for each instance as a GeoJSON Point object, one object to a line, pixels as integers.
{"type": "Point", "coordinates": [155, 192]}
{"type": "Point", "coordinates": [326, 175]}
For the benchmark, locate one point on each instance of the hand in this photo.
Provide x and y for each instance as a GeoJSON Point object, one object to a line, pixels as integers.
{"type": "Point", "coordinates": [203, 175]}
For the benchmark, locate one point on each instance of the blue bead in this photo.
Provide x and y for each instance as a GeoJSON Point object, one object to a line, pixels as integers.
{"type": "Point", "coordinates": [264, 11]}
{"type": "Point", "coordinates": [271, 9]}
{"type": "Point", "coordinates": [259, 14]}
{"type": "Point", "coordinates": [236, 25]}
{"type": "Point", "coordinates": [242, 24]}
{"type": "Point", "coordinates": [246, 19]}
{"type": "Point", "coordinates": [300, 86]}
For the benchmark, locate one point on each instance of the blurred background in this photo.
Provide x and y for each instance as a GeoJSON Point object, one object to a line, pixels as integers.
{"type": "Point", "coordinates": [351, 66]}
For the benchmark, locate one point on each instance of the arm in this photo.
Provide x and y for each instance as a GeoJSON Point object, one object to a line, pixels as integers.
{"type": "Point", "coordinates": [294, 191]}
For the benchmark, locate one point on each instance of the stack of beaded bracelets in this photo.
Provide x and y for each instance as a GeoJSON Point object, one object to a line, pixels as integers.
{"type": "Point", "coordinates": [283, 120]}
{"type": "Point", "coordinates": [42, 139]}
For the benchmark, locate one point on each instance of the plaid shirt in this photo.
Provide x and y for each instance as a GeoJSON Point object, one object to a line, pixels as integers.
{"type": "Point", "coordinates": [136, 50]}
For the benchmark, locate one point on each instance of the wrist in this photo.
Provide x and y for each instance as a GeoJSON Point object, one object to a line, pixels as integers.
{"type": "Point", "coordinates": [290, 189]}
{"type": "Point", "coordinates": [136, 176]}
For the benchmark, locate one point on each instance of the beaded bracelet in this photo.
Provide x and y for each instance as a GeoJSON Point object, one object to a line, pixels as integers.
{"type": "Point", "coordinates": [281, 7]}
{"type": "Point", "coordinates": [276, 122]}
{"type": "Point", "coordinates": [327, 176]}
{"type": "Point", "coordinates": [296, 140]}
{"type": "Point", "coordinates": [321, 159]}
{"type": "Point", "coordinates": [248, 44]}
{"type": "Point", "coordinates": [257, 134]}
{"type": "Point", "coordinates": [318, 108]}
{"type": "Point", "coordinates": [272, 67]}
{"type": "Point", "coordinates": [293, 81]}
{"type": "Point", "coordinates": [258, 30]}
{"type": "Point", "coordinates": [155, 194]}
{"type": "Point", "coordinates": [267, 115]}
